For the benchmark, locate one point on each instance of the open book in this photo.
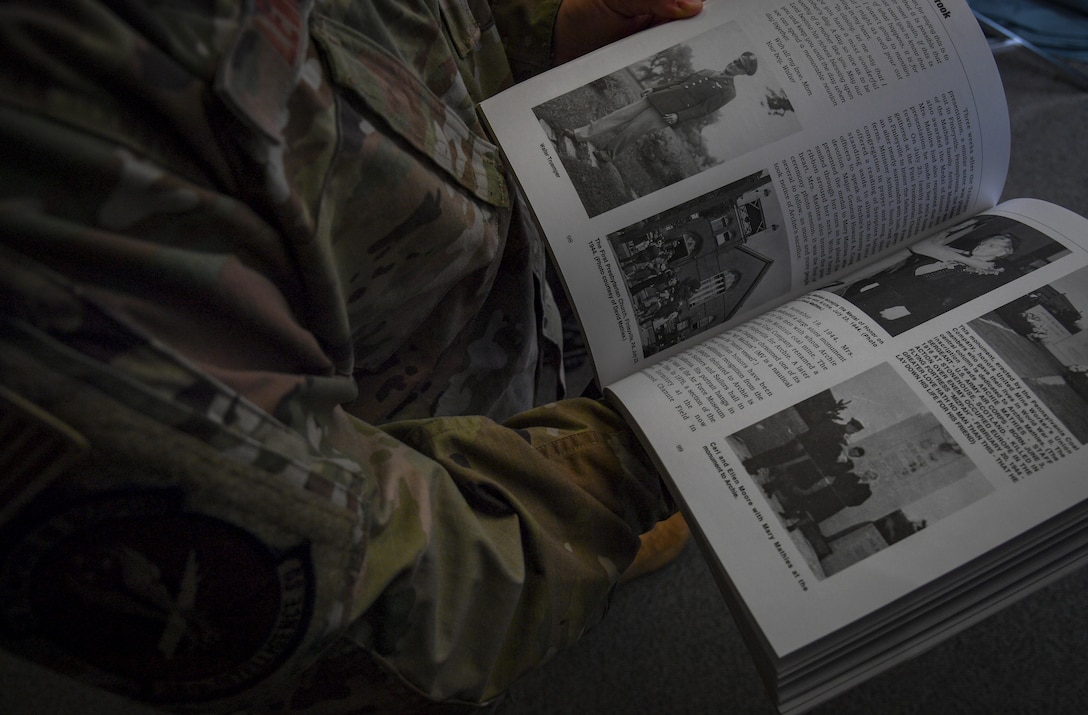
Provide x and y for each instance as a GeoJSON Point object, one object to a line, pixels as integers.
{"type": "Point", "coordinates": [866, 384]}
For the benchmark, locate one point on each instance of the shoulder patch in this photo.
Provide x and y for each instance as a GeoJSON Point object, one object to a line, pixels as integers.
{"type": "Point", "coordinates": [137, 595]}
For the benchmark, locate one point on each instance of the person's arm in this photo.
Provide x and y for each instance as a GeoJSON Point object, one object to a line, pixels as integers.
{"type": "Point", "coordinates": [456, 553]}
{"type": "Point", "coordinates": [532, 521]}
{"type": "Point", "coordinates": [449, 554]}
{"type": "Point", "coordinates": [703, 108]}
{"type": "Point", "coordinates": [542, 33]}
{"type": "Point", "coordinates": [679, 82]}
{"type": "Point", "coordinates": [174, 295]}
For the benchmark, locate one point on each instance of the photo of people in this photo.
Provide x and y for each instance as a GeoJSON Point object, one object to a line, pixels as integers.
{"type": "Point", "coordinates": [855, 469]}
{"type": "Point", "coordinates": [940, 273]}
{"type": "Point", "coordinates": [1042, 338]}
{"type": "Point", "coordinates": [694, 266]}
{"type": "Point", "coordinates": [667, 117]}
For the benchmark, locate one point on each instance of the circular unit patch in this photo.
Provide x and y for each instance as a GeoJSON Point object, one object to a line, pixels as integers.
{"type": "Point", "coordinates": [155, 602]}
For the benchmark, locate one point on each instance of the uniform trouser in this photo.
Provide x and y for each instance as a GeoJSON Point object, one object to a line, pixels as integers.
{"type": "Point", "coordinates": [615, 132]}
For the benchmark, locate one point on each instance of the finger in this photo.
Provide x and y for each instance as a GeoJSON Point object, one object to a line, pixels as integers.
{"type": "Point", "coordinates": [584, 25]}
{"type": "Point", "coordinates": [663, 9]}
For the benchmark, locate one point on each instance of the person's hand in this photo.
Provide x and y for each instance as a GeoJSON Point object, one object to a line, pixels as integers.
{"type": "Point", "coordinates": [670, 118]}
{"type": "Point", "coordinates": [585, 25]}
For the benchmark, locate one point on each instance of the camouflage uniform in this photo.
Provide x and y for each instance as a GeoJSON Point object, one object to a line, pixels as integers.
{"type": "Point", "coordinates": [258, 260]}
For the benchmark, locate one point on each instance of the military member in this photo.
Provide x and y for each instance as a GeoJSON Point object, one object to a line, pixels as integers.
{"type": "Point", "coordinates": [822, 442]}
{"type": "Point", "coordinates": [278, 360]}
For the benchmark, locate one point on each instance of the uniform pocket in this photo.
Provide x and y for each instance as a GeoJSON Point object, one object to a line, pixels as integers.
{"type": "Point", "coordinates": [389, 89]}
{"type": "Point", "coordinates": [463, 25]}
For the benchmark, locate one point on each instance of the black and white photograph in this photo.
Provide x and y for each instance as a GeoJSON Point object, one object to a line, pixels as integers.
{"type": "Point", "coordinates": [1042, 338]}
{"type": "Point", "coordinates": [666, 118]}
{"type": "Point", "coordinates": [694, 266]}
{"type": "Point", "coordinates": [857, 468]}
{"type": "Point", "coordinates": [945, 271]}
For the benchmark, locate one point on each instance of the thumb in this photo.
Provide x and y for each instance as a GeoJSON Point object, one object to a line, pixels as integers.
{"type": "Point", "coordinates": [664, 9]}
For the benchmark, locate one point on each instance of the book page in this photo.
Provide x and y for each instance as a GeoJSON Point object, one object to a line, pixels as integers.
{"type": "Point", "coordinates": [706, 169]}
{"type": "Point", "coordinates": [836, 459]}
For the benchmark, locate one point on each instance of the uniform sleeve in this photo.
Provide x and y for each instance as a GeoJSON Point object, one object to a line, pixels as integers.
{"type": "Point", "coordinates": [526, 27]}
{"type": "Point", "coordinates": [214, 530]}
{"type": "Point", "coordinates": [452, 554]}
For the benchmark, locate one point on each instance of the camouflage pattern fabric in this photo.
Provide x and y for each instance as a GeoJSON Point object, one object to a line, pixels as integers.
{"type": "Point", "coordinates": [278, 361]}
